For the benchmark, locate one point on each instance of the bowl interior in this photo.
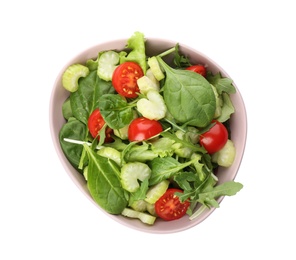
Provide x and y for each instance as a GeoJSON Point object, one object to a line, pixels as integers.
{"type": "Point", "coordinates": [238, 124]}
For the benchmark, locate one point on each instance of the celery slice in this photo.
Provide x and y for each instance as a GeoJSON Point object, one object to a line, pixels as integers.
{"type": "Point", "coordinates": [139, 205]}
{"type": "Point", "coordinates": [110, 153]}
{"type": "Point", "coordinates": [155, 68]}
{"type": "Point", "coordinates": [107, 64]}
{"type": "Point", "coordinates": [226, 155]}
{"type": "Point", "coordinates": [71, 76]}
{"type": "Point", "coordinates": [156, 191]}
{"type": "Point", "coordinates": [131, 173]}
{"type": "Point", "coordinates": [145, 84]}
{"type": "Point", "coordinates": [144, 217]}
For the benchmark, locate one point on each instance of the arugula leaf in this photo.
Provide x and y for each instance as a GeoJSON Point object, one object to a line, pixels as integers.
{"type": "Point", "coordinates": [180, 61]}
{"type": "Point", "coordinates": [140, 194]}
{"type": "Point", "coordinates": [194, 147]}
{"type": "Point", "coordinates": [165, 168]}
{"type": "Point", "coordinates": [227, 109]}
{"type": "Point", "coordinates": [137, 54]}
{"type": "Point", "coordinates": [208, 197]}
{"type": "Point", "coordinates": [221, 84]}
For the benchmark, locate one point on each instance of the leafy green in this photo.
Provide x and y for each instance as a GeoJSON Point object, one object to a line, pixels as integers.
{"type": "Point", "coordinates": [139, 153]}
{"type": "Point", "coordinates": [76, 130]}
{"type": "Point", "coordinates": [189, 96]}
{"type": "Point", "coordinates": [115, 110]}
{"type": "Point", "coordinates": [104, 183]}
{"type": "Point", "coordinates": [163, 147]}
{"type": "Point", "coordinates": [222, 84]}
{"type": "Point", "coordinates": [85, 99]}
{"type": "Point", "coordinates": [184, 143]}
{"type": "Point", "coordinates": [139, 194]}
{"type": "Point", "coordinates": [165, 168]}
{"type": "Point", "coordinates": [180, 60]}
{"type": "Point", "coordinates": [66, 109]}
{"type": "Point", "coordinates": [227, 109]}
{"type": "Point", "coordinates": [208, 196]}
{"type": "Point", "coordinates": [137, 53]}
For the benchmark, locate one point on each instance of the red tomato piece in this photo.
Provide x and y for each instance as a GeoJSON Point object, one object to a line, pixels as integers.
{"type": "Point", "coordinates": [169, 207]}
{"type": "Point", "coordinates": [125, 78]}
{"type": "Point", "coordinates": [95, 124]}
{"type": "Point", "coordinates": [200, 69]}
{"type": "Point", "coordinates": [143, 128]}
{"type": "Point", "coordinates": [215, 138]}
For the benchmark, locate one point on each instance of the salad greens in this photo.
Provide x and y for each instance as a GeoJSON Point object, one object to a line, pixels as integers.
{"type": "Point", "coordinates": [126, 177]}
{"type": "Point", "coordinates": [189, 98]}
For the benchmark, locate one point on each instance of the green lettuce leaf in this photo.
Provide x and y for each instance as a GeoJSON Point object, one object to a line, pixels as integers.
{"type": "Point", "coordinates": [137, 54]}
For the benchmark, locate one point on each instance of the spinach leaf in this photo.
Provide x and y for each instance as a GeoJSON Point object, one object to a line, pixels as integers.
{"type": "Point", "coordinates": [85, 99]}
{"type": "Point", "coordinates": [116, 112]}
{"type": "Point", "coordinates": [189, 96]}
{"type": "Point", "coordinates": [104, 184]}
{"type": "Point", "coordinates": [76, 130]}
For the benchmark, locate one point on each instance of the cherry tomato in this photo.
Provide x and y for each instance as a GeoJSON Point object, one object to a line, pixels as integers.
{"type": "Point", "coordinates": [200, 69]}
{"type": "Point", "coordinates": [215, 138]}
{"type": "Point", "coordinates": [169, 207]}
{"type": "Point", "coordinates": [143, 128]}
{"type": "Point", "coordinates": [125, 77]}
{"type": "Point", "coordinates": [95, 123]}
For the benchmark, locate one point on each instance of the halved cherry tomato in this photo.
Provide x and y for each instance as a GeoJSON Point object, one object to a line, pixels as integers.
{"type": "Point", "coordinates": [200, 69]}
{"type": "Point", "coordinates": [215, 138]}
{"type": "Point", "coordinates": [95, 123]}
{"type": "Point", "coordinates": [125, 77]}
{"type": "Point", "coordinates": [143, 128]}
{"type": "Point", "coordinates": [169, 207]}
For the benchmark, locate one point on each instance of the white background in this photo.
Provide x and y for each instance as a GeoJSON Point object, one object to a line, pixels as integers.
{"type": "Point", "coordinates": [43, 215]}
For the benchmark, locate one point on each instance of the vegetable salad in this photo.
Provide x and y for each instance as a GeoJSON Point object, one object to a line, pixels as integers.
{"type": "Point", "coordinates": [148, 136]}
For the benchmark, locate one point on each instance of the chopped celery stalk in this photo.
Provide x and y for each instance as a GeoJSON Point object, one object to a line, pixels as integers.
{"type": "Point", "coordinates": [145, 84]}
{"type": "Point", "coordinates": [139, 205]}
{"type": "Point", "coordinates": [155, 68]}
{"type": "Point", "coordinates": [71, 76]}
{"type": "Point", "coordinates": [122, 133]}
{"type": "Point", "coordinates": [156, 191]}
{"type": "Point", "coordinates": [131, 173]}
{"type": "Point", "coordinates": [110, 153]}
{"type": "Point", "coordinates": [152, 107]}
{"type": "Point", "coordinates": [151, 76]}
{"type": "Point", "coordinates": [226, 155]}
{"type": "Point", "coordinates": [107, 64]}
{"type": "Point", "coordinates": [144, 217]}
{"type": "Point", "coordinates": [151, 209]}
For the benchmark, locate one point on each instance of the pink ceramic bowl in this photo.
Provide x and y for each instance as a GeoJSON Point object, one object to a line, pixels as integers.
{"type": "Point", "coordinates": [153, 46]}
